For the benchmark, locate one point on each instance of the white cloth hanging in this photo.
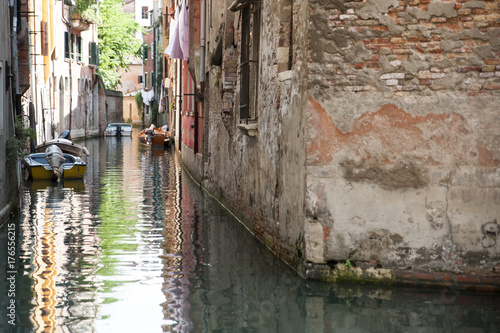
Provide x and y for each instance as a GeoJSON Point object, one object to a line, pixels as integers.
{"type": "Point", "coordinates": [173, 49]}
{"type": "Point", "coordinates": [184, 31]}
{"type": "Point", "coordinates": [147, 96]}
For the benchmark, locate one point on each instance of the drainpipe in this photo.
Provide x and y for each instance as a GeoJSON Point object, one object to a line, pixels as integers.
{"type": "Point", "coordinates": [15, 66]}
{"type": "Point", "coordinates": [202, 53]}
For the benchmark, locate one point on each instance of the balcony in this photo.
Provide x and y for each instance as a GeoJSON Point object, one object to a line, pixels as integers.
{"type": "Point", "coordinates": [78, 23]}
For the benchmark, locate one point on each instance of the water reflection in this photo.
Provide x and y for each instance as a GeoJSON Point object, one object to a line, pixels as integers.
{"type": "Point", "coordinates": [137, 247]}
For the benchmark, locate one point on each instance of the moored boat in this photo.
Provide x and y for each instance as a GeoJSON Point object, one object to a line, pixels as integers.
{"type": "Point", "coordinates": [118, 129]}
{"type": "Point", "coordinates": [73, 167]}
{"type": "Point", "coordinates": [153, 136]}
{"type": "Point", "coordinates": [65, 144]}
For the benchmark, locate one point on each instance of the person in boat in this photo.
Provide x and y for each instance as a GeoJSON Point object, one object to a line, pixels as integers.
{"type": "Point", "coordinates": [150, 133]}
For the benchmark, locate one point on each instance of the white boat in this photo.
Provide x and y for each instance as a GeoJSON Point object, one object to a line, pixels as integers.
{"type": "Point", "coordinates": [65, 144]}
{"type": "Point", "coordinates": [118, 129]}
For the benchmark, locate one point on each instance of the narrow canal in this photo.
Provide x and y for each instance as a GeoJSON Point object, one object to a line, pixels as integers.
{"type": "Point", "coordinates": [138, 247]}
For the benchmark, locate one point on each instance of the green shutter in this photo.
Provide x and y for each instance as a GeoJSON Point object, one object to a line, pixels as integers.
{"type": "Point", "coordinates": [66, 45]}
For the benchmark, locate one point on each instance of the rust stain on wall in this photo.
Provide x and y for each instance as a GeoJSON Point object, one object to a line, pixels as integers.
{"type": "Point", "coordinates": [392, 136]}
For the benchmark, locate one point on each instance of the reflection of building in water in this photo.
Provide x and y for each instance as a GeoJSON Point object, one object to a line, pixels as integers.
{"type": "Point", "coordinates": [44, 274]}
{"type": "Point", "coordinates": [54, 239]}
{"type": "Point", "coordinates": [179, 258]}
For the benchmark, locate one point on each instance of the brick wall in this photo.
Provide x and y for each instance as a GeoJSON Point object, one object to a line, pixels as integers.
{"type": "Point", "coordinates": [411, 46]}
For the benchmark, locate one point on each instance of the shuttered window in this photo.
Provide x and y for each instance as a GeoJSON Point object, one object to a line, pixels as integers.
{"type": "Point", "coordinates": [249, 64]}
{"type": "Point", "coordinates": [66, 45]}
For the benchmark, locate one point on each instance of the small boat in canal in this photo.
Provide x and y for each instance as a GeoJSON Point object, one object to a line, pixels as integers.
{"type": "Point", "coordinates": [54, 164]}
{"type": "Point", "coordinates": [118, 129]}
{"type": "Point", "coordinates": [65, 144]}
{"type": "Point", "coordinates": [154, 136]}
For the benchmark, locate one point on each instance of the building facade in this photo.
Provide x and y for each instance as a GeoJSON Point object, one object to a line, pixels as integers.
{"type": "Point", "coordinates": [354, 131]}
{"type": "Point", "coordinates": [63, 60]}
{"type": "Point", "coordinates": [9, 176]}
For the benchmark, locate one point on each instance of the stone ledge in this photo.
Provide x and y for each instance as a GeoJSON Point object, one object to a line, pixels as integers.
{"type": "Point", "coordinates": [250, 129]}
{"type": "Point", "coordinates": [371, 275]}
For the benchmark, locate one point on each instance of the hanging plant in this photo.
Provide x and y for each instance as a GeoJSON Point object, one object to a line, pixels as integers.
{"type": "Point", "coordinates": [17, 146]}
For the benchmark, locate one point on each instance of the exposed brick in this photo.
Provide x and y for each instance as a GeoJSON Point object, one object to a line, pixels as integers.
{"type": "Point", "coordinates": [448, 278]}
{"type": "Point", "coordinates": [492, 280]}
{"type": "Point", "coordinates": [469, 25]}
{"type": "Point", "coordinates": [466, 19]}
{"type": "Point", "coordinates": [489, 68]}
{"type": "Point", "coordinates": [397, 40]}
{"type": "Point", "coordinates": [344, 17]}
{"type": "Point", "coordinates": [425, 82]}
{"type": "Point", "coordinates": [468, 69]}
{"type": "Point", "coordinates": [406, 275]}
{"type": "Point", "coordinates": [453, 27]}
{"type": "Point", "coordinates": [486, 75]}
{"type": "Point", "coordinates": [438, 19]}
{"type": "Point", "coordinates": [492, 61]}
{"type": "Point", "coordinates": [468, 279]}
{"type": "Point", "coordinates": [381, 40]}
{"type": "Point", "coordinates": [430, 75]}
{"type": "Point", "coordinates": [390, 76]}
{"type": "Point", "coordinates": [492, 87]}
{"type": "Point", "coordinates": [372, 65]}
{"type": "Point", "coordinates": [425, 276]}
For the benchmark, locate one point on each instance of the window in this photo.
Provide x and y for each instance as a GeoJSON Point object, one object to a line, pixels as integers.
{"type": "Point", "coordinates": [145, 80]}
{"type": "Point", "coordinates": [79, 48]}
{"type": "Point", "coordinates": [249, 61]}
{"type": "Point", "coordinates": [66, 45]}
{"type": "Point", "coordinates": [94, 53]}
{"type": "Point", "coordinates": [72, 46]}
{"type": "Point", "coordinates": [145, 52]}
{"type": "Point", "coordinates": [144, 12]}
{"type": "Point", "coordinates": [153, 79]}
{"type": "Point", "coordinates": [140, 79]}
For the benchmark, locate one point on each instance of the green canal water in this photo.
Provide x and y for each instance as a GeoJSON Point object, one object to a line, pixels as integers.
{"type": "Point", "coordinates": [136, 246]}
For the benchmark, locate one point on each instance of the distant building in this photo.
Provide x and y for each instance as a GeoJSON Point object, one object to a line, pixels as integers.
{"type": "Point", "coordinates": [140, 76]}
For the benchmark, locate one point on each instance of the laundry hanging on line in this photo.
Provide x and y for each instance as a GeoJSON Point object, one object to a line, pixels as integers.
{"type": "Point", "coordinates": [178, 46]}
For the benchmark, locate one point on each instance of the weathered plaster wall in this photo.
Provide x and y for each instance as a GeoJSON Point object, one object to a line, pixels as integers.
{"type": "Point", "coordinates": [130, 111]}
{"type": "Point", "coordinates": [260, 174]}
{"type": "Point", "coordinates": [403, 134]}
{"type": "Point", "coordinates": [110, 108]}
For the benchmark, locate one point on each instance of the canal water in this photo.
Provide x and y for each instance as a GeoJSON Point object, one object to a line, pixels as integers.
{"type": "Point", "coordinates": [138, 247]}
